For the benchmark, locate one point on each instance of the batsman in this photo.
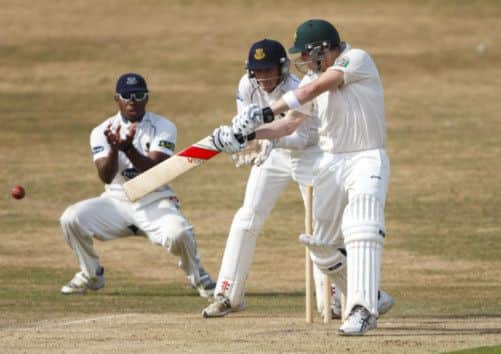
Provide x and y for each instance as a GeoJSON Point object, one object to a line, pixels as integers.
{"type": "Point", "coordinates": [343, 89]}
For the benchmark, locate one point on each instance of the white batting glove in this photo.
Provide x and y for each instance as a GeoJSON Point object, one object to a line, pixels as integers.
{"type": "Point", "coordinates": [224, 140]}
{"type": "Point", "coordinates": [248, 120]}
{"type": "Point", "coordinates": [265, 151]}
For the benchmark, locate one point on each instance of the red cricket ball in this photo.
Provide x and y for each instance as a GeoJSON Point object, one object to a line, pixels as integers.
{"type": "Point", "coordinates": [18, 192]}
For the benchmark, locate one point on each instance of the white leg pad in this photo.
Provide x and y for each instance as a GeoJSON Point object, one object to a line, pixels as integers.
{"type": "Point", "coordinates": [363, 229]}
{"type": "Point", "coordinates": [329, 259]}
{"type": "Point", "coordinates": [319, 286]}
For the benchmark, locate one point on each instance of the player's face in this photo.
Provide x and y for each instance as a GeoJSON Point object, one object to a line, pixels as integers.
{"type": "Point", "coordinates": [320, 62]}
{"type": "Point", "coordinates": [268, 79]}
{"type": "Point", "coordinates": [130, 107]}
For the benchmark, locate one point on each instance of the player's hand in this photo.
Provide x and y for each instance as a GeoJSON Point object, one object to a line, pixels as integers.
{"type": "Point", "coordinates": [112, 137]}
{"type": "Point", "coordinates": [127, 143]}
{"type": "Point", "coordinates": [247, 155]}
{"type": "Point", "coordinates": [224, 140]}
{"type": "Point", "coordinates": [116, 142]}
{"type": "Point", "coordinates": [248, 120]}
{"type": "Point", "coordinates": [265, 151]}
{"type": "Point", "coordinates": [256, 153]}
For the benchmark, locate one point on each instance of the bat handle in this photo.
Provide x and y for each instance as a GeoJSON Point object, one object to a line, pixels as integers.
{"type": "Point", "coordinates": [249, 137]}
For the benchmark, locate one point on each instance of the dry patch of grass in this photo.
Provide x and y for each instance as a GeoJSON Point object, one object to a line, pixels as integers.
{"type": "Point", "coordinates": [58, 63]}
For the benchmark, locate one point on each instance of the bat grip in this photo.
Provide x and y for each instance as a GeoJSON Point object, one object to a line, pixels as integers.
{"type": "Point", "coordinates": [249, 137]}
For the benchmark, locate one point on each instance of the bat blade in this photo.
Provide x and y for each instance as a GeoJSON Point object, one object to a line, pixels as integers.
{"type": "Point", "coordinates": [166, 171]}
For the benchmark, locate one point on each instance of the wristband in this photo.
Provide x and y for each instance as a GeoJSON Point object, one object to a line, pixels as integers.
{"type": "Point", "coordinates": [268, 115]}
{"type": "Point", "coordinates": [251, 136]}
{"type": "Point", "coordinates": [291, 100]}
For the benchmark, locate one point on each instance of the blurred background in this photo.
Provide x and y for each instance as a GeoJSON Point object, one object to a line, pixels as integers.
{"type": "Point", "coordinates": [59, 60]}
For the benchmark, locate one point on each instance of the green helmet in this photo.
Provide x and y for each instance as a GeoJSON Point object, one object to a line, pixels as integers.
{"type": "Point", "coordinates": [313, 33]}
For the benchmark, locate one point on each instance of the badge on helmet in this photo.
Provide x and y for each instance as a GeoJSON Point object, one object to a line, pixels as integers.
{"type": "Point", "coordinates": [267, 54]}
{"type": "Point", "coordinates": [314, 33]}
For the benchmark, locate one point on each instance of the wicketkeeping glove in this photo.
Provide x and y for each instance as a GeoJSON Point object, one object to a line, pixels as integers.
{"type": "Point", "coordinates": [256, 152]}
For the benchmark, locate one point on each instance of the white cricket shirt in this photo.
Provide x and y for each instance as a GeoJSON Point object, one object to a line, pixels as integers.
{"type": "Point", "coordinates": [249, 92]}
{"type": "Point", "coordinates": [153, 133]}
{"type": "Point", "coordinates": [352, 118]}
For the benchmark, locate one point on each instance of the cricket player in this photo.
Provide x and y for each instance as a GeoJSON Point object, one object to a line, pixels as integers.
{"type": "Point", "coordinates": [343, 89]}
{"type": "Point", "coordinates": [123, 146]}
{"type": "Point", "coordinates": [275, 164]}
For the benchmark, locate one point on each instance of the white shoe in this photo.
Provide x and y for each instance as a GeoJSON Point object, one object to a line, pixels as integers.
{"type": "Point", "coordinates": [384, 304]}
{"type": "Point", "coordinates": [81, 282]}
{"type": "Point", "coordinates": [220, 307]}
{"type": "Point", "coordinates": [205, 286]}
{"type": "Point", "coordinates": [358, 322]}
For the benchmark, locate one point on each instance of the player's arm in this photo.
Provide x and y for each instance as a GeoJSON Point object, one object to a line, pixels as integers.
{"type": "Point", "coordinates": [253, 116]}
{"type": "Point", "coordinates": [107, 167]}
{"type": "Point", "coordinates": [281, 127]}
{"type": "Point", "coordinates": [104, 156]}
{"type": "Point", "coordinates": [162, 147]}
{"type": "Point", "coordinates": [329, 80]}
{"type": "Point", "coordinates": [143, 163]}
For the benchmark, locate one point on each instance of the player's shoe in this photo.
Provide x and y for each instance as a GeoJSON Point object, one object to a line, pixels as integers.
{"type": "Point", "coordinates": [81, 282]}
{"type": "Point", "coordinates": [384, 303]}
{"type": "Point", "coordinates": [206, 285]}
{"type": "Point", "coordinates": [220, 307]}
{"type": "Point", "coordinates": [359, 321]}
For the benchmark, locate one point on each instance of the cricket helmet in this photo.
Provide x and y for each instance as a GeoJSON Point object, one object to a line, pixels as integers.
{"type": "Point", "coordinates": [314, 33]}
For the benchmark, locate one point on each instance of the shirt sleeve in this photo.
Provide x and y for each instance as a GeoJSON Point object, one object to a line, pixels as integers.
{"type": "Point", "coordinates": [307, 108]}
{"type": "Point", "coordinates": [98, 144]}
{"type": "Point", "coordinates": [356, 65]}
{"type": "Point", "coordinates": [165, 139]}
{"type": "Point", "coordinates": [243, 96]}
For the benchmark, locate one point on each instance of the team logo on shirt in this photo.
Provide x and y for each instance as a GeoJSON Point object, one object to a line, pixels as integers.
{"type": "Point", "coordinates": [343, 62]}
{"type": "Point", "coordinates": [97, 149]}
{"type": "Point", "coordinates": [259, 54]}
{"type": "Point", "coordinates": [167, 144]}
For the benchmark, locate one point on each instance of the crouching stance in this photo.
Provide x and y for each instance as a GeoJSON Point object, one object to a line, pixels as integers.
{"type": "Point", "coordinates": [123, 146]}
{"type": "Point", "coordinates": [343, 88]}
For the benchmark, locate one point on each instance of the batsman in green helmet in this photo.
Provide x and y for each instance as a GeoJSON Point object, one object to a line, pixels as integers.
{"type": "Point", "coordinates": [343, 90]}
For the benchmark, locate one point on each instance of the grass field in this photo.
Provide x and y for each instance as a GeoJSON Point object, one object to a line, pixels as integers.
{"type": "Point", "coordinates": [439, 61]}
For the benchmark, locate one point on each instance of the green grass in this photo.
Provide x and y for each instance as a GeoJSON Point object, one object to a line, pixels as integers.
{"type": "Point", "coordinates": [481, 350]}
{"type": "Point", "coordinates": [29, 292]}
{"type": "Point", "coordinates": [442, 254]}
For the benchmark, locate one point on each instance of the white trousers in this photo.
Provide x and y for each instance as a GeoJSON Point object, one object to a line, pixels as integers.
{"type": "Point", "coordinates": [357, 183]}
{"type": "Point", "coordinates": [264, 186]}
{"type": "Point", "coordinates": [107, 218]}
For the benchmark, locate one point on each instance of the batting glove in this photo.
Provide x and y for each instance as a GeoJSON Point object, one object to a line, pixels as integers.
{"type": "Point", "coordinates": [250, 118]}
{"type": "Point", "coordinates": [224, 140]}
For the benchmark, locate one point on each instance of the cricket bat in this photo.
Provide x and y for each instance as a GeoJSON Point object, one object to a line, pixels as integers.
{"type": "Point", "coordinates": [166, 171]}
